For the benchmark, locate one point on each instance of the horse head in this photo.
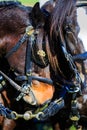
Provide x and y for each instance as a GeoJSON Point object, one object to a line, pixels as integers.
{"type": "Point", "coordinates": [63, 39]}
{"type": "Point", "coordinates": [17, 31]}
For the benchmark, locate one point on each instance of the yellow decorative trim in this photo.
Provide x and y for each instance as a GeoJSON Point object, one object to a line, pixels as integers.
{"type": "Point", "coordinates": [3, 82]}
{"type": "Point", "coordinates": [29, 30]}
{"type": "Point", "coordinates": [41, 53]}
{"type": "Point", "coordinates": [74, 118]}
{"type": "Point", "coordinates": [29, 74]}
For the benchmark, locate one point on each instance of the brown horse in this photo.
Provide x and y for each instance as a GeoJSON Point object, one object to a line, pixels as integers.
{"type": "Point", "coordinates": [55, 51]}
{"type": "Point", "coordinates": [14, 19]}
{"type": "Point", "coordinates": [12, 35]}
{"type": "Point", "coordinates": [62, 70]}
{"type": "Point", "coordinates": [72, 47]}
{"type": "Point", "coordinates": [64, 24]}
{"type": "Point", "coordinates": [70, 35]}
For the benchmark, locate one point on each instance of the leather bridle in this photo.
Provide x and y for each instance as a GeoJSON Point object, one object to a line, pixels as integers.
{"type": "Point", "coordinates": [28, 77]}
{"type": "Point", "coordinates": [48, 108]}
{"type": "Point", "coordinates": [29, 36]}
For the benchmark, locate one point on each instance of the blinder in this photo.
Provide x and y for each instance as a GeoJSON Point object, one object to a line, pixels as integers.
{"type": "Point", "coordinates": [39, 56]}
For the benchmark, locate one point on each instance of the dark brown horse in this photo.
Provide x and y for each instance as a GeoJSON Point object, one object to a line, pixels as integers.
{"type": "Point", "coordinates": [62, 66]}
{"type": "Point", "coordinates": [12, 33]}
{"type": "Point", "coordinates": [72, 47]}
{"type": "Point", "coordinates": [14, 19]}
{"type": "Point", "coordinates": [63, 29]}
{"type": "Point", "coordinates": [64, 24]}
{"type": "Point", "coordinates": [54, 49]}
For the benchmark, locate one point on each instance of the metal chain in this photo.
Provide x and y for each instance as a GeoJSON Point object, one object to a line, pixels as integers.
{"type": "Point", "coordinates": [50, 110]}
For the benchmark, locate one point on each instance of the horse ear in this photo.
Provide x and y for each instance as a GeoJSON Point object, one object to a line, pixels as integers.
{"type": "Point", "coordinates": [36, 9]}
{"type": "Point", "coordinates": [37, 16]}
{"type": "Point", "coordinates": [36, 6]}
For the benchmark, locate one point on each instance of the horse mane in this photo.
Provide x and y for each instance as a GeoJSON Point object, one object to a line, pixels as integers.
{"type": "Point", "coordinates": [63, 8]}
{"type": "Point", "coordinates": [6, 3]}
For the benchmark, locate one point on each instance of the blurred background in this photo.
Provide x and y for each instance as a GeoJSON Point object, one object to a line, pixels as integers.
{"type": "Point", "coordinates": [28, 2]}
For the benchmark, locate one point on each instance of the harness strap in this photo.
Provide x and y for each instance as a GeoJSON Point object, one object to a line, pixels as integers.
{"type": "Point", "coordinates": [15, 85]}
{"type": "Point", "coordinates": [28, 62]}
{"type": "Point", "coordinates": [80, 57]}
{"type": "Point", "coordinates": [29, 30]}
{"type": "Point", "coordinates": [17, 46]}
{"type": "Point", "coordinates": [39, 78]}
{"type": "Point", "coordinates": [52, 109]}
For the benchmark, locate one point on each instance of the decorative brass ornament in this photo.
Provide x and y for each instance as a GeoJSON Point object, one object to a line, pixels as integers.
{"type": "Point", "coordinates": [41, 53]}
{"type": "Point", "coordinates": [74, 118]}
{"type": "Point", "coordinates": [29, 30]}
